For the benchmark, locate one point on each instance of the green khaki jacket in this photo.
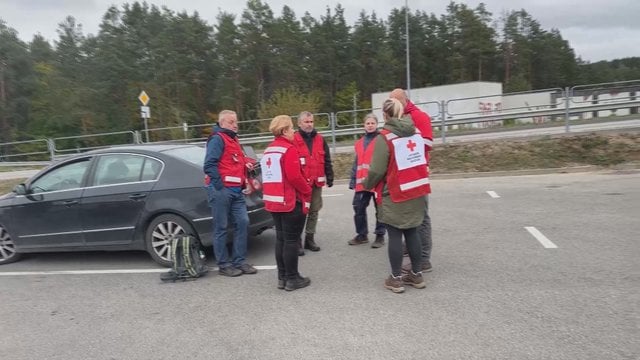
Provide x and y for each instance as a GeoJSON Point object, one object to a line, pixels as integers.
{"type": "Point", "coordinates": [403, 215]}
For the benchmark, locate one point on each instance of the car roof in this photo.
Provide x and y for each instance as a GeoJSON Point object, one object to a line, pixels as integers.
{"type": "Point", "coordinates": [141, 148]}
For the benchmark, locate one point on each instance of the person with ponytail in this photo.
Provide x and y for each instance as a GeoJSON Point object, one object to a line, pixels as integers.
{"type": "Point", "coordinates": [398, 168]}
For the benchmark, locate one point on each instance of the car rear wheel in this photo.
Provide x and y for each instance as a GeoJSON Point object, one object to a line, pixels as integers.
{"type": "Point", "coordinates": [8, 252]}
{"type": "Point", "coordinates": [161, 232]}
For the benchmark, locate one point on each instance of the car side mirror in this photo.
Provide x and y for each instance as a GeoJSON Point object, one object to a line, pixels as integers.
{"type": "Point", "coordinates": [20, 189]}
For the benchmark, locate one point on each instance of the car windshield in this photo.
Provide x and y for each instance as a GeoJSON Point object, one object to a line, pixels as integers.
{"type": "Point", "coordinates": [192, 154]}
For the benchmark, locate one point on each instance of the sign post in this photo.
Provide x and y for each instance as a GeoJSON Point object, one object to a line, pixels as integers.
{"type": "Point", "coordinates": [145, 112]}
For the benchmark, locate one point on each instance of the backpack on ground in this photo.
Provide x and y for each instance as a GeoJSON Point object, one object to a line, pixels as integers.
{"type": "Point", "coordinates": [189, 261]}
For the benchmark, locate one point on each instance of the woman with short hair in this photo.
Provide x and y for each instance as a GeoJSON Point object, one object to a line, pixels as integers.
{"type": "Point", "coordinates": [287, 195]}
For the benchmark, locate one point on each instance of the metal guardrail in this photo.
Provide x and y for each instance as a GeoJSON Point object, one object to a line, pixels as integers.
{"type": "Point", "coordinates": [556, 103]}
{"type": "Point", "coordinates": [20, 149]}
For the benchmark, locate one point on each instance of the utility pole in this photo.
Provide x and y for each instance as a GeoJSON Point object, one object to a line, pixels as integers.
{"type": "Point", "coordinates": [406, 33]}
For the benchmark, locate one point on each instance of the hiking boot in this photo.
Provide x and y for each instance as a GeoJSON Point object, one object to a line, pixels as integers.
{"type": "Point", "coordinates": [247, 269]}
{"type": "Point", "coordinates": [359, 239]}
{"type": "Point", "coordinates": [230, 271]}
{"type": "Point", "coordinates": [379, 242]}
{"type": "Point", "coordinates": [414, 280]}
{"type": "Point", "coordinates": [426, 266]}
{"type": "Point", "coordinates": [310, 244]}
{"type": "Point", "coordinates": [298, 283]}
{"type": "Point", "coordinates": [281, 283]}
{"type": "Point", "coordinates": [394, 284]}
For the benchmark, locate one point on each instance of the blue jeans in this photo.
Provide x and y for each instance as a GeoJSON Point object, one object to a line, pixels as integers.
{"type": "Point", "coordinates": [228, 206]}
{"type": "Point", "coordinates": [361, 200]}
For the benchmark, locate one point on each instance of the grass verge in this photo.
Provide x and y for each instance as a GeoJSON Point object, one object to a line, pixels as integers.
{"type": "Point", "coordinates": [601, 149]}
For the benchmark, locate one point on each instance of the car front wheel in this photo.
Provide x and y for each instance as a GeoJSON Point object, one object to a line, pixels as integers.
{"type": "Point", "coordinates": [161, 232]}
{"type": "Point", "coordinates": [8, 252]}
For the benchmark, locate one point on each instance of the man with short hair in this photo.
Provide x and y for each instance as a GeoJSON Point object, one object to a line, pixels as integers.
{"type": "Point", "coordinates": [316, 162]}
{"type": "Point", "coordinates": [422, 122]}
{"type": "Point", "coordinates": [225, 166]}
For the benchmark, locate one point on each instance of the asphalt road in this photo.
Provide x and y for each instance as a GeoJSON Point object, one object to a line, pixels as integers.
{"type": "Point", "coordinates": [496, 292]}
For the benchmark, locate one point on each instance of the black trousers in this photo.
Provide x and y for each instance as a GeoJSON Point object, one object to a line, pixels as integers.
{"type": "Point", "coordinates": [412, 239]}
{"type": "Point", "coordinates": [289, 228]}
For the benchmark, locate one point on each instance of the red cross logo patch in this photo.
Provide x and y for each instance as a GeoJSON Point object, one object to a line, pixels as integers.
{"type": "Point", "coordinates": [411, 145]}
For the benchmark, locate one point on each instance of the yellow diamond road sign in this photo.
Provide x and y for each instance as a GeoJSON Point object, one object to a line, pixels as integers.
{"type": "Point", "coordinates": [144, 98]}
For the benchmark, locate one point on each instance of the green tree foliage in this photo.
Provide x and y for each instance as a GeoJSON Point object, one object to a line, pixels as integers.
{"type": "Point", "coordinates": [372, 55]}
{"type": "Point", "coordinates": [290, 101]}
{"type": "Point", "coordinates": [332, 58]}
{"type": "Point", "coordinates": [17, 82]}
{"type": "Point", "coordinates": [261, 64]}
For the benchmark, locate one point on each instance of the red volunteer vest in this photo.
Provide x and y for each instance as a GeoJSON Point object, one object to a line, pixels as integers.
{"type": "Point", "coordinates": [407, 175]}
{"type": "Point", "coordinates": [278, 195]}
{"type": "Point", "coordinates": [232, 165]}
{"type": "Point", "coordinates": [364, 157]}
{"type": "Point", "coordinates": [312, 163]}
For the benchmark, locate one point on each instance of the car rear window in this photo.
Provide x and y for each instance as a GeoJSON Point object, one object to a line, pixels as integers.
{"type": "Point", "coordinates": [192, 154]}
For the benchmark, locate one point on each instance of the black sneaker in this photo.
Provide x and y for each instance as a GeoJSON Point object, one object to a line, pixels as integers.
{"type": "Point", "coordinates": [297, 283]}
{"type": "Point", "coordinates": [230, 271]}
{"type": "Point", "coordinates": [247, 269]}
{"type": "Point", "coordinates": [281, 283]}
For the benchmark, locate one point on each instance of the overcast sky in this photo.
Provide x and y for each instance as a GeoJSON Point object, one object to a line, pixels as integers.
{"type": "Point", "coordinates": [597, 30]}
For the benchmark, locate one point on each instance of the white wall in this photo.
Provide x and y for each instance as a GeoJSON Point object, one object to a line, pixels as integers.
{"type": "Point", "coordinates": [478, 98]}
{"type": "Point", "coordinates": [427, 99]}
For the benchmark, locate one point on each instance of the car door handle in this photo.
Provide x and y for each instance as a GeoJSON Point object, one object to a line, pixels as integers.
{"type": "Point", "coordinates": [69, 202]}
{"type": "Point", "coordinates": [137, 196]}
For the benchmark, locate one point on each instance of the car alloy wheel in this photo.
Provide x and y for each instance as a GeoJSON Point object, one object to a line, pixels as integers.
{"type": "Point", "coordinates": [8, 252]}
{"type": "Point", "coordinates": [161, 232]}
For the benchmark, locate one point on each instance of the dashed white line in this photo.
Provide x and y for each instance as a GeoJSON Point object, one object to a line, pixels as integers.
{"type": "Point", "coordinates": [113, 271]}
{"type": "Point", "coordinates": [540, 237]}
{"type": "Point", "coordinates": [493, 194]}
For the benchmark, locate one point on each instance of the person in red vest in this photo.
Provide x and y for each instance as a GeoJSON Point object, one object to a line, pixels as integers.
{"type": "Point", "coordinates": [399, 163]}
{"type": "Point", "coordinates": [422, 122]}
{"type": "Point", "coordinates": [362, 198]}
{"type": "Point", "coordinates": [316, 163]}
{"type": "Point", "coordinates": [286, 194]}
{"type": "Point", "coordinates": [225, 168]}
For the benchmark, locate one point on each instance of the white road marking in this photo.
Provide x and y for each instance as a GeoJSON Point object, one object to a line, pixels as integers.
{"type": "Point", "coordinates": [493, 194]}
{"type": "Point", "coordinates": [113, 271]}
{"type": "Point", "coordinates": [540, 237]}
{"type": "Point", "coordinates": [332, 195]}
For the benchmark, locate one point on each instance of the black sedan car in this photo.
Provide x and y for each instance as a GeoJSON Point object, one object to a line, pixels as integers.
{"type": "Point", "coordinates": [136, 197]}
